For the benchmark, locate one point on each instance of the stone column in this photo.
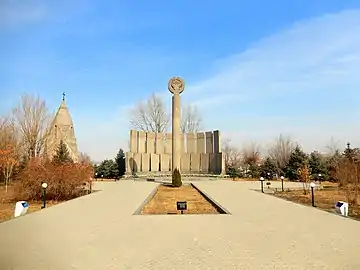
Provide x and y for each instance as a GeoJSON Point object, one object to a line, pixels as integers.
{"type": "Point", "coordinates": [141, 142]}
{"type": "Point", "coordinates": [191, 143]}
{"type": "Point", "coordinates": [159, 146]}
{"type": "Point", "coordinates": [176, 132]}
{"type": "Point", "coordinates": [209, 142]}
{"type": "Point", "coordinates": [217, 142]}
{"type": "Point", "coordinates": [150, 142]}
{"type": "Point", "coordinates": [176, 87]}
{"type": "Point", "coordinates": [200, 143]}
{"type": "Point", "coordinates": [168, 143]}
{"type": "Point", "coordinates": [133, 141]}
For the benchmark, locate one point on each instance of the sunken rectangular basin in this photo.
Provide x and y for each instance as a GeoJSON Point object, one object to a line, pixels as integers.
{"type": "Point", "coordinates": [163, 201]}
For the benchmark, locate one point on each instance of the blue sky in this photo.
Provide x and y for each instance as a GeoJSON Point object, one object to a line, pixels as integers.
{"type": "Point", "coordinates": [255, 69]}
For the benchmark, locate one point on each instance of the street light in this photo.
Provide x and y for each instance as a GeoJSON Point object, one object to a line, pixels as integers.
{"type": "Point", "coordinates": [44, 186]}
{"type": "Point", "coordinates": [312, 185]}
{"type": "Point", "coordinates": [282, 183]}
{"type": "Point", "coordinates": [319, 177]}
{"type": "Point", "coordinates": [262, 184]}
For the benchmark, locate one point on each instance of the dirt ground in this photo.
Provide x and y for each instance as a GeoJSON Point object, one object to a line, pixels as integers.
{"type": "Point", "coordinates": [164, 201]}
{"type": "Point", "coordinates": [7, 204]}
{"type": "Point", "coordinates": [324, 199]}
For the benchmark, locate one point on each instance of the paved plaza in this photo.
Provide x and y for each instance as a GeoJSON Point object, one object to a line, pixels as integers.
{"type": "Point", "coordinates": [99, 231]}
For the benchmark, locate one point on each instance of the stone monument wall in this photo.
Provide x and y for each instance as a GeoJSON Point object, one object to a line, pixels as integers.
{"type": "Point", "coordinates": [152, 152]}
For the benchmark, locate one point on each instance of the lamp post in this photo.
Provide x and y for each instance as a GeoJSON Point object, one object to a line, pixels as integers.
{"type": "Point", "coordinates": [44, 186]}
{"type": "Point", "coordinates": [262, 184]}
{"type": "Point", "coordinates": [95, 175]}
{"type": "Point", "coordinates": [312, 185]}
{"type": "Point", "coordinates": [282, 183]}
{"type": "Point", "coordinates": [320, 177]}
{"type": "Point", "coordinates": [90, 186]}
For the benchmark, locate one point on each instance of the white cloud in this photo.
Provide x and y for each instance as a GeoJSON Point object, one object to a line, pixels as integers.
{"type": "Point", "coordinates": [318, 57]}
{"type": "Point", "coordinates": [314, 54]}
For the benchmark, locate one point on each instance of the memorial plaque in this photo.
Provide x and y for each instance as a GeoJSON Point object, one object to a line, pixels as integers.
{"type": "Point", "coordinates": [181, 206]}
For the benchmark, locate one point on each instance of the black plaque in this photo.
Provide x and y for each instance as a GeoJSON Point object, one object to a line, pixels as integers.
{"type": "Point", "coordinates": [181, 206]}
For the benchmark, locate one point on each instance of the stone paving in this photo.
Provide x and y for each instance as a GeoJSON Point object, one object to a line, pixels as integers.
{"type": "Point", "coordinates": [99, 232]}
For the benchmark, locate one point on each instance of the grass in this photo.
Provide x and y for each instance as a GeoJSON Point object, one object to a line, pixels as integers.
{"type": "Point", "coordinates": [7, 204]}
{"type": "Point", "coordinates": [165, 198]}
{"type": "Point", "coordinates": [324, 199]}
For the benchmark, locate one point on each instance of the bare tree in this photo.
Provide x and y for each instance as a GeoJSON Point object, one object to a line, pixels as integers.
{"type": "Point", "coordinates": [84, 158]}
{"type": "Point", "coordinates": [348, 174]}
{"type": "Point", "coordinates": [252, 157]}
{"type": "Point", "coordinates": [232, 154]}
{"type": "Point", "coordinates": [32, 120]}
{"type": "Point", "coordinates": [251, 154]}
{"type": "Point", "coordinates": [7, 131]}
{"type": "Point", "coordinates": [281, 150]}
{"type": "Point", "coordinates": [190, 119]}
{"type": "Point", "coordinates": [304, 177]}
{"type": "Point", "coordinates": [8, 160]}
{"type": "Point", "coordinates": [333, 147]}
{"type": "Point", "coordinates": [9, 149]}
{"type": "Point", "coordinates": [150, 116]}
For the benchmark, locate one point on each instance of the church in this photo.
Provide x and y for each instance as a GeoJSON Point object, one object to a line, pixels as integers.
{"type": "Point", "coordinates": [62, 128]}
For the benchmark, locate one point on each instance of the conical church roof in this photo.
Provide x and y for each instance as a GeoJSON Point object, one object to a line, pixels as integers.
{"type": "Point", "coordinates": [62, 116]}
{"type": "Point", "coordinates": [62, 128]}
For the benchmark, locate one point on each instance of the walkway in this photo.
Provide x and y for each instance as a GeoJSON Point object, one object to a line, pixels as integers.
{"type": "Point", "coordinates": [99, 232]}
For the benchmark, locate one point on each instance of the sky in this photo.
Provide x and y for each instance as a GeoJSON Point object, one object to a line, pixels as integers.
{"type": "Point", "coordinates": [255, 69]}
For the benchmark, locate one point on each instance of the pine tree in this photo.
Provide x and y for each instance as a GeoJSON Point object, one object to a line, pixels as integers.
{"type": "Point", "coordinates": [62, 154]}
{"type": "Point", "coordinates": [176, 178]}
{"type": "Point", "coordinates": [269, 166]}
{"type": "Point", "coordinates": [297, 160]}
{"type": "Point", "coordinates": [317, 165]}
{"type": "Point", "coordinates": [120, 161]}
{"type": "Point", "coordinates": [108, 169]}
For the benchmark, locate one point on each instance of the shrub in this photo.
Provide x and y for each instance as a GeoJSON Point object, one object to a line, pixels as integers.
{"type": "Point", "coordinates": [176, 178]}
{"type": "Point", "coordinates": [234, 172]}
{"type": "Point", "coordinates": [348, 173]}
{"type": "Point", "coordinates": [304, 177]}
{"type": "Point", "coordinates": [65, 180]}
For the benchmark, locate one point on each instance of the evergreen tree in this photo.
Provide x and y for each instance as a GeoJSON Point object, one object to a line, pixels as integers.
{"type": "Point", "coordinates": [62, 154]}
{"type": "Point", "coordinates": [120, 162]}
{"type": "Point", "coordinates": [352, 153]}
{"type": "Point", "coordinates": [318, 165]}
{"type": "Point", "coordinates": [268, 166]}
{"type": "Point", "coordinates": [108, 169]}
{"type": "Point", "coordinates": [176, 178]}
{"type": "Point", "coordinates": [254, 170]}
{"type": "Point", "coordinates": [348, 151]}
{"type": "Point", "coordinates": [297, 160]}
